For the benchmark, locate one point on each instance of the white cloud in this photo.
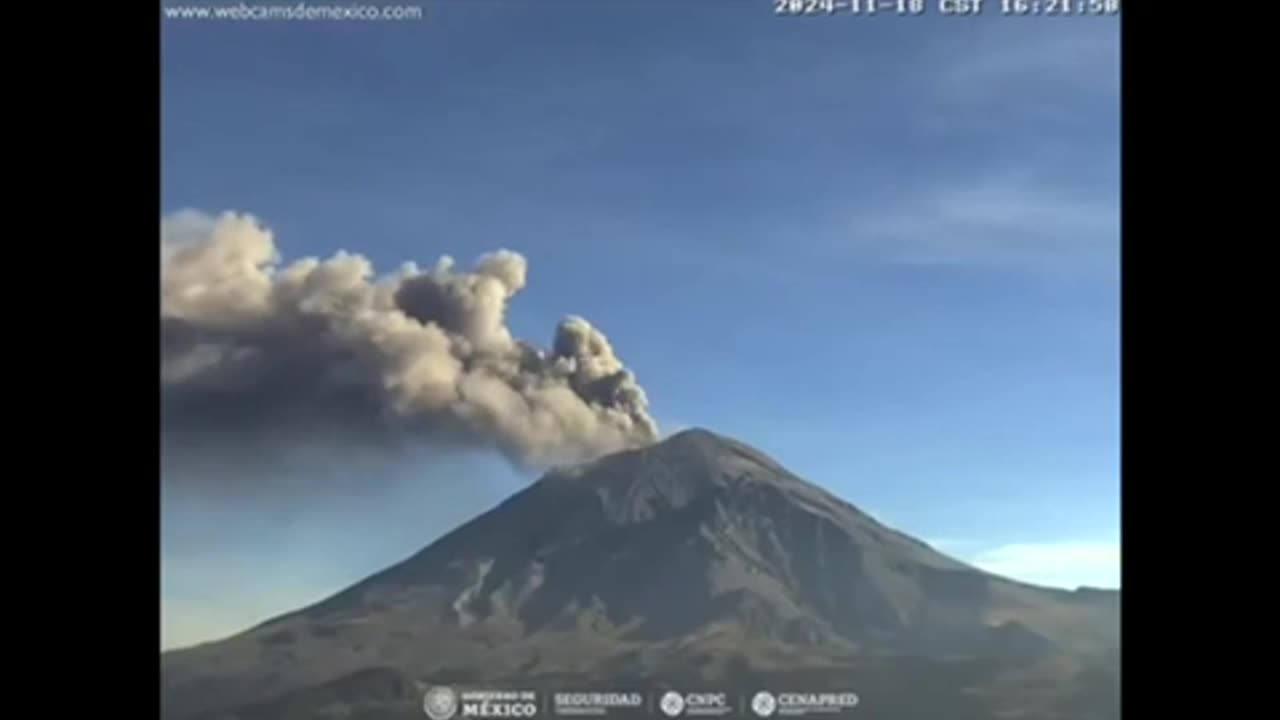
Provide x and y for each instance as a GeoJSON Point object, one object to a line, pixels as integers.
{"type": "Point", "coordinates": [1004, 219]}
{"type": "Point", "coordinates": [1082, 61]}
{"type": "Point", "coordinates": [1061, 564]}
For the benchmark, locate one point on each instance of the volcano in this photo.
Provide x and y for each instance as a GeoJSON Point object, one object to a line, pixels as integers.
{"type": "Point", "coordinates": [696, 561]}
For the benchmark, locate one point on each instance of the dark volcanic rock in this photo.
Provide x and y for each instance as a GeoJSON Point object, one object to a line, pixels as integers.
{"type": "Point", "coordinates": [695, 557]}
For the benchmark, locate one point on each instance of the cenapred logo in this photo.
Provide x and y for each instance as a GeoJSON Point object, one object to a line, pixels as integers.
{"type": "Point", "coordinates": [440, 703]}
{"type": "Point", "coordinates": [764, 704]}
{"type": "Point", "coordinates": [795, 704]}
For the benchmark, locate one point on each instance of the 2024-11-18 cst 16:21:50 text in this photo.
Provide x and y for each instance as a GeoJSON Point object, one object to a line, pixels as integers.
{"type": "Point", "coordinates": [947, 7]}
{"type": "Point", "coordinates": [855, 7]}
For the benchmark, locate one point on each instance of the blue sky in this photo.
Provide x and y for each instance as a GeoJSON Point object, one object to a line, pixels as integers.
{"type": "Point", "coordinates": [883, 250]}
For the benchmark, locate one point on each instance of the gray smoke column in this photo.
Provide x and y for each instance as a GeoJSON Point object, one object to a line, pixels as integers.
{"type": "Point", "coordinates": [325, 351]}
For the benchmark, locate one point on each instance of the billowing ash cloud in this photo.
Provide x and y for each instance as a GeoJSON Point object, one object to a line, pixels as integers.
{"type": "Point", "coordinates": [325, 352]}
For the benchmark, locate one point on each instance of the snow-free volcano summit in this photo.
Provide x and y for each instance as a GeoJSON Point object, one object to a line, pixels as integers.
{"type": "Point", "coordinates": [694, 560]}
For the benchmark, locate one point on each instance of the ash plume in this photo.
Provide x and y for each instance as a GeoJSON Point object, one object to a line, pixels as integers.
{"type": "Point", "coordinates": [326, 352]}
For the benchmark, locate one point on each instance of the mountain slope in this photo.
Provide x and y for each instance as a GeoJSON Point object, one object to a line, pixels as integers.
{"type": "Point", "coordinates": [695, 559]}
